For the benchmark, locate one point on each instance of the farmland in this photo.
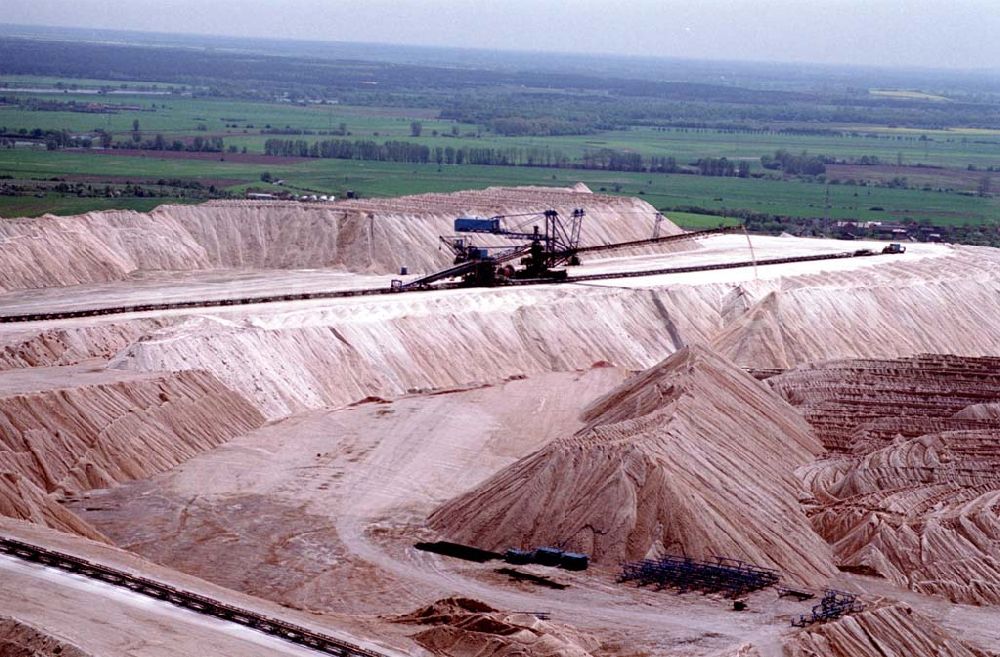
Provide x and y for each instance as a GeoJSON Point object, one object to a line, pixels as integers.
{"type": "Point", "coordinates": [802, 199]}
{"type": "Point", "coordinates": [241, 123]}
{"type": "Point", "coordinates": [923, 154]}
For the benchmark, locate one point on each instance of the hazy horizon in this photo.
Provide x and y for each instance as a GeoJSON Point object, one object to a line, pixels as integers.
{"type": "Point", "coordinates": [881, 33]}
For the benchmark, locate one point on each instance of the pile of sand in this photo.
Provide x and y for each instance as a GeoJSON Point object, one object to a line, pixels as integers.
{"type": "Point", "coordinates": [462, 627]}
{"type": "Point", "coordinates": [886, 311]}
{"type": "Point", "coordinates": [980, 412]}
{"type": "Point", "coordinates": [693, 456]}
{"type": "Point", "coordinates": [388, 346]}
{"type": "Point", "coordinates": [72, 344]}
{"type": "Point", "coordinates": [912, 492]}
{"type": "Point", "coordinates": [884, 630]}
{"type": "Point", "coordinates": [20, 639]}
{"type": "Point", "coordinates": [23, 499]}
{"type": "Point", "coordinates": [93, 429]}
{"type": "Point", "coordinates": [290, 358]}
{"type": "Point", "coordinates": [860, 405]}
{"type": "Point", "coordinates": [93, 436]}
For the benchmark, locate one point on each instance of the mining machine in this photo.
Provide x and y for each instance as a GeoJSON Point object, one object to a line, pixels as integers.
{"type": "Point", "coordinates": [550, 243]}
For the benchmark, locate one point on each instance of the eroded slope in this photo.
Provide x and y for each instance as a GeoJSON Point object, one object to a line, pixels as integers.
{"type": "Point", "coordinates": [65, 430]}
{"type": "Point", "coordinates": [888, 629]}
{"type": "Point", "coordinates": [911, 491]}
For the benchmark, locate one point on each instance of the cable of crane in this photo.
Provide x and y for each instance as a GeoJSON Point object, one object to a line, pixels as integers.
{"type": "Point", "coordinates": [753, 256]}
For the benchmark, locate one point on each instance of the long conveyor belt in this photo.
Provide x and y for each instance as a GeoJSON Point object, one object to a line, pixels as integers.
{"type": "Point", "coordinates": [336, 294]}
{"type": "Point", "coordinates": [657, 241]}
{"type": "Point", "coordinates": [187, 599]}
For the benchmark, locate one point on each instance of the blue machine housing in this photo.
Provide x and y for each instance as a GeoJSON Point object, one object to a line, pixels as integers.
{"type": "Point", "coordinates": [477, 225]}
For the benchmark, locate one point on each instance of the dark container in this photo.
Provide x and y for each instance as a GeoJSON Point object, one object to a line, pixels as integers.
{"type": "Point", "coordinates": [517, 557]}
{"type": "Point", "coordinates": [547, 556]}
{"type": "Point", "coordinates": [574, 561]}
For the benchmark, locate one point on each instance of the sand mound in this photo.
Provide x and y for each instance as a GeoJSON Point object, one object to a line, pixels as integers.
{"type": "Point", "coordinates": [916, 496]}
{"type": "Point", "coordinates": [979, 412]}
{"type": "Point", "coordinates": [290, 360]}
{"type": "Point", "coordinates": [375, 236]}
{"type": "Point", "coordinates": [859, 405]}
{"type": "Point", "coordinates": [94, 247]}
{"type": "Point", "coordinates": [69, 346]}
{"type": "Point", "coordinates": [387, 347]}
{"type": "Point", "coordinates": [881, 312]}
{"type": "Point", "coordinates": [879, 632]}
{"type": "Point", "coordinates": [444, 611]}
{"type": "Point", "coordinates": [746, 650]}
{"type": "Point", "coordinates": [21, 499]}
{"type": "Point", "coordinates": [20, 639]}
{"type": "Point", "coordinates": [924, 513]}
{"type": "Point", "coordinates": [469, 628]}
{"type": "Point", "coordinates": [93, 436]}
{"type": "Point", "coordinates": [693, 455]}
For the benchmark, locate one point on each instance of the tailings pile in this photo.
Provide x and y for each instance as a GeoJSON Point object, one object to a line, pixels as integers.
{"type": "Point", "coordinates": [911, 488]}
{"type": "Point", "coordinates": [101, 428]}
{"type": "Point", "coordinates": [461, 627]}
{"type": "Point", "coordinates": [693, 456]}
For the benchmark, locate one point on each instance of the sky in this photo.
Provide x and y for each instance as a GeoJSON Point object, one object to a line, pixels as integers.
{"type": "Point", "coordinates": [961, 34]}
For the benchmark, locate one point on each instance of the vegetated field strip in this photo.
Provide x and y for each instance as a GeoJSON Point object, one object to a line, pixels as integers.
{"type": "Point", "coordinates": [908, 94]}
{"type": "Point", "coordinates": [27, 163]}
{"type": "Point", "coordinates": [790, 198]}
{"type": "Point", "coordinates": [944, 178]}
{"type": "Point", "coordinates": [803, 199]}
{"type": "Point", "coordinates": [83, 83]}
{"type": "Point", "coordinates": [694, 220]}
{"type": "Point", "coordinates": [182, 116]}
{"type": "Point", "coordinates": [688, 145]}
{"type": "Point", "coordinates": [31, 206]}
{"type": "Point", "coordinates": [239, 123]}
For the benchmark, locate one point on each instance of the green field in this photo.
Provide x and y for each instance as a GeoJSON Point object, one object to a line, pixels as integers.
{"type": "Point", "coordinates": [178, 116]}
{"type": "Point", "coordinates": [30, 206]}
{"type": "Point", "coordinates": [789, 198]}
{"type": "Point", "coordinates": [694, 221]}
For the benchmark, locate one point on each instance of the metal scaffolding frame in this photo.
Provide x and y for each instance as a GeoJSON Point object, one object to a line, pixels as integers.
{"type": "Point", "coordinates": [833, 605]}
{"type": "Point", "coordinates": [731, 577]}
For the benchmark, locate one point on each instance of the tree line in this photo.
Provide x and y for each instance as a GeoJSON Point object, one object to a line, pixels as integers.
{"type": "Point", "coordinates": [604, 159]}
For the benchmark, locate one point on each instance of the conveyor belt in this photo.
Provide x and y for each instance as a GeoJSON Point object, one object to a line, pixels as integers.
{"type": "Point", "coordinates": [461, 268]}
{"type": "Point", "coordinates": [654, 241]}
{"type": "Point", "coordinates": [695, 268]}
{"type": "Point", "coordinates": [411, 287]}
{"type": "Point", "coordinates": [194, 601]}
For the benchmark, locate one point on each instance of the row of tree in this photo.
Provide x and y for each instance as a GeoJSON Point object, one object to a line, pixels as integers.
{"type": "Point", "coordinates": [158, 142]}
{"type": "Point", "coordinates": [604, 159]}
{"type": "Point", "coordinates": [801, 164]}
